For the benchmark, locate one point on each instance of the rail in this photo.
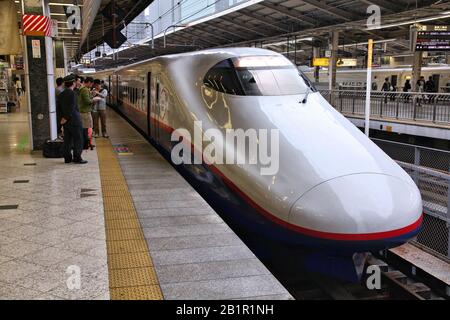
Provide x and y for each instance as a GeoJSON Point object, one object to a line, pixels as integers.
{"type": "Point", "coordinates": [412, 106]}
{"type": "Point", "coordinates": [429, 169]}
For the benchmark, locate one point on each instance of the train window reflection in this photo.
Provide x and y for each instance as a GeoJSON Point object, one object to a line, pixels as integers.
{"type": "Point", "coordinates": [256, 81]}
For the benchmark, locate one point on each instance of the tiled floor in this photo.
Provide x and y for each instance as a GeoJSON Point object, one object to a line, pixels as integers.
{"type": "Point", "coordinates": [54, 233]}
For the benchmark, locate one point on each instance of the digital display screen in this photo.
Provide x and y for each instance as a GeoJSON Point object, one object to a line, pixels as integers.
{"type": "Point", "coordinates": [433, 38]}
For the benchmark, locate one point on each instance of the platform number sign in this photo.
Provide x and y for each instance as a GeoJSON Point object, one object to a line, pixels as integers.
{"type": "Point", "coordinates": [73, 14]}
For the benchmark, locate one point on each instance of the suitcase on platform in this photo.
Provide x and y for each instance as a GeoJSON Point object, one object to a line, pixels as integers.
{"type": "Point", "coordinates": [54, 149]}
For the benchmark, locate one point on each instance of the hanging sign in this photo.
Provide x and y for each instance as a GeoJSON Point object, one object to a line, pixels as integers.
{"type": "Point", "coordinates": [347, 62]}
{"type": "Point", "coordinates": [433, 38]}
{"type": "Point", "coordinates": [321, 62]}
{"type": "Point", "coordinates": [73, 14]}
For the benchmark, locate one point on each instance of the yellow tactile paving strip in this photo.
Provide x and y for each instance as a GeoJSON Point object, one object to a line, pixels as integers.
{"type": "Point", "coordinates": [131, 272]}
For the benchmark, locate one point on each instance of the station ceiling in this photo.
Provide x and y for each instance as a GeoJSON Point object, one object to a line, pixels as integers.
{"type": "Point", "coordinates": [72, 40]}
{"type": "Point", "coordinates": [271, 23]}
{"type": "Point", "coordinates": [101, 26]}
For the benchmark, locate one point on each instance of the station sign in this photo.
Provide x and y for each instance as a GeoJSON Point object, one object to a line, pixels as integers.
{"type": "Point", "coordinates": [321, 62]}
{"type": "Point", "coordinates": [433, 38]}
{"type": "Point", "coordinates": [346, 62]}
{"type": "Point", "coordinates": [342, 62]}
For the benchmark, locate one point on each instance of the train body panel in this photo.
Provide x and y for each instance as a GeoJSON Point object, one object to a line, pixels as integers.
{"type": "Point", "coordinates": [334, 190]}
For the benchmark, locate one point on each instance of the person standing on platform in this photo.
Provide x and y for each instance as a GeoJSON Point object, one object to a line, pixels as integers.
{"type": "Point", "coordinates": [420, 87]}
{"type": "Point", "coordinates": [59, 88]}
{"type": "Point", "coordinates": [386, 88]}
{"type": "Point", "coordinates": [99, 112]}
{"type": "Point", "coordinates": [375, 84]}
{"type": "Point", "coordinates": [71, 120]}
{"type": "Point", "coordinates": [406, 89]}
{"type": "Point", "coordinates": [85, 102]}
{"type": "Point", "coordinates": [430, 87]}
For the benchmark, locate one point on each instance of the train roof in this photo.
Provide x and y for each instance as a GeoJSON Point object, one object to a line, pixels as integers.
{"type": "Point", "coordinates": [221, 54]}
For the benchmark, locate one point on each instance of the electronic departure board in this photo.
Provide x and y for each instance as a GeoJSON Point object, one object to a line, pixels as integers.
{"type": "Point", "coordinates": [433, 38]}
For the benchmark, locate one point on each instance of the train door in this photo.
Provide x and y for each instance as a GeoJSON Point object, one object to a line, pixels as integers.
{"type": "Point", "coordinates": [149, 103]}
{"type": "Point", "coordinates": [109, 89]}
{"type": "Point", "coordinates": [155, 109]}
{"type": "Point", "coordinates": [394, 82]}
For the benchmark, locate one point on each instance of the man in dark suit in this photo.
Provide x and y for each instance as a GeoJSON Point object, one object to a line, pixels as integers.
{"type": "Point", "coordinates": [71, 120]}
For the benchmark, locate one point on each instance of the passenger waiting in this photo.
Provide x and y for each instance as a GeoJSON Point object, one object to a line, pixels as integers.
{"type": "Point", "coordinates": [59, 88]}
{"type": "Point", "coordinates": [71, 120]}
{"type": "Point", "coordinates": [386, 88]}
{"type": "Point", "coordinates": [430, 87]}
{"type": "Point", "coordinates": [406, 89]}
{"type": "Point", "coordinates": [85, 103]}
{"type": "Point", "coordinates": [100, 93]}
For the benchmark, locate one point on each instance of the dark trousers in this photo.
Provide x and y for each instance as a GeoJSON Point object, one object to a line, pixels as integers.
{"type": "Point", "coordinates": [73, 140]}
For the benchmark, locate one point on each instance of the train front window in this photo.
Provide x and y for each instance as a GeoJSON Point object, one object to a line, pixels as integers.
{"type": "Point", "coordinates": [257, 76]}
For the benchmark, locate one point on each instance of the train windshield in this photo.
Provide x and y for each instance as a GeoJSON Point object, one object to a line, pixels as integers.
{"type": "Point", "coordinates": [257, 76]}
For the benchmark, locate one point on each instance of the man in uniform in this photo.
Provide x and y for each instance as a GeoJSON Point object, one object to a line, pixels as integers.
{"type": "Point", "coordinates": [71, 120]}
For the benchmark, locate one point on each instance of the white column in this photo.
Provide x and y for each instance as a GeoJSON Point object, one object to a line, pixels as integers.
{"type": "Point", "coordinates": [50, 78]}
{"type": "Point", "coordinates": [369, 86]}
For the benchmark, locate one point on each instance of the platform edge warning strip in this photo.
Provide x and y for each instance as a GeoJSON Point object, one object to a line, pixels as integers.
{"type": "Point", "coordinates": [132, 275]}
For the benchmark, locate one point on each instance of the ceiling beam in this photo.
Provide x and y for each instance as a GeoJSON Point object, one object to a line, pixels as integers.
{"type": "Point", "coordinates": [391, 6]}
{"type": "Point", "coordinates": [242, 26]}
{"type": "Point", "coordinates": [291, 13]}
{"type": "Point", "coordinates": [225, 30]}
{"type": "Point", "coordinates": [264, 20]}
{"type": "Point", "coordinates": [345, 15]}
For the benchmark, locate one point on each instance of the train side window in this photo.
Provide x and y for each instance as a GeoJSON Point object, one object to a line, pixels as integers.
{"type": "Point", "coordinates": [222, 78]}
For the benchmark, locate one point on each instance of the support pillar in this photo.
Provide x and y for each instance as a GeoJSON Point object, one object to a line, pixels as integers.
{"type": "Point", "coordinates": [39, 78]}
{"type": "Point", "coordinates": [60, 59]}
{"type": "Point", "coordinates": [316, 54]}
{"type": "Point", "coordinates": [417, 69]}
{"type": "Point", "coordinates": [334, 47]}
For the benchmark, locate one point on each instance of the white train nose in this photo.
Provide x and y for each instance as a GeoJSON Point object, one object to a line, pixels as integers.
{"type": "Point", "coordinates": [359, 204]}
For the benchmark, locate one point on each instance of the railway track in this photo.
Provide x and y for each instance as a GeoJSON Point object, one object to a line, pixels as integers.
{"type": "Point", "coordinates": [395, 285]}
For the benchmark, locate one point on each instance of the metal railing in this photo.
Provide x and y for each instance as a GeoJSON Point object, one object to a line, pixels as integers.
{"type": "Point", "coordinates": [429, 168]}
{"type": "Point", "coordinates": [425, 107]}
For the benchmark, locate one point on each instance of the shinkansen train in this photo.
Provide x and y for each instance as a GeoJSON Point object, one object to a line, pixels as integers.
{"type": "Point", "coordinates": [355, 79]}
{"type": "Point", "coordinates": [334, 191]}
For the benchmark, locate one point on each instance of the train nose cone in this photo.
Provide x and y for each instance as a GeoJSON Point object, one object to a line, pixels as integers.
{"type": "Point", "coordinates": [360, 207]}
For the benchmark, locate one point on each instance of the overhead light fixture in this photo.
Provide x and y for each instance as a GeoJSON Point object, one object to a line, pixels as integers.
{"type": "Point", "coordinates": [443, 15]}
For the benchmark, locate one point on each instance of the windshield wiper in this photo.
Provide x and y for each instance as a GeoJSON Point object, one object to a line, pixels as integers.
{"type": "Point", "coordinates": [305, 100]}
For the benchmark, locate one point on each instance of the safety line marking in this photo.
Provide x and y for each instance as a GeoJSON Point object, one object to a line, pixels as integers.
{"type": "Point", "coordinates": [132, 275]}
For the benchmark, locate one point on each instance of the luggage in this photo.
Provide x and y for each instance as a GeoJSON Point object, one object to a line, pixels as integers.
{"type": "Point", "coordinates": [54, 149]}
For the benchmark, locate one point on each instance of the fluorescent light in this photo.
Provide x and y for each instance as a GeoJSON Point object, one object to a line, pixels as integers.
{"type": "Point", "coordinates": [443, 15]}
{"type": "Point", "coordinates": [261, 61]}
{"type": "Point", "coordinates": [284, 42]}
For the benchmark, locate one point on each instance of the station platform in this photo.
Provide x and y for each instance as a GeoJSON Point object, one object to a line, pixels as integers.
{"type": "Point", "coordinates": [52, 226]}
{"type": "Point", "coordinates": [126, 224]}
